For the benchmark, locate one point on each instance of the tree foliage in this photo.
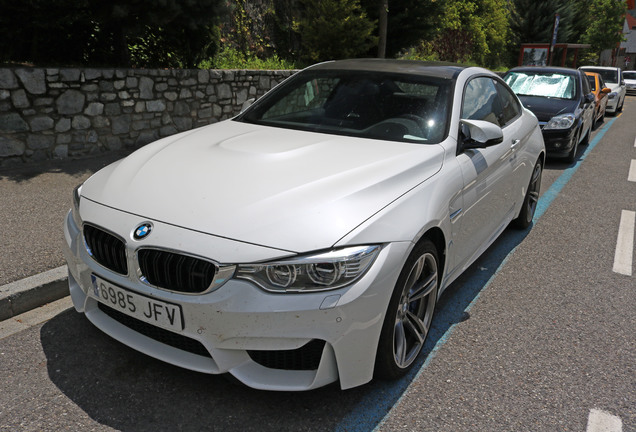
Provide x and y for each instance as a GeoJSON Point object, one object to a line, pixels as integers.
{"type": "Point", "coordinates": [334, 29]}
{"type": "Point", "coordinates": [532, 21]}
{"type": "Point", "coordinates": [605, 31]}
{"type": "Point", "coordinates": [103, 31]}
{"type": "Point", "coordinates": [188, 33]}
{"type": "Point", "coordinates": [469, 31]}
{"type": "Point", "coordinates": [409, 21]}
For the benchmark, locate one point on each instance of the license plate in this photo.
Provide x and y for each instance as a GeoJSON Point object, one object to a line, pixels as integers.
{"type": "Point", "coordinates": [146, 309]}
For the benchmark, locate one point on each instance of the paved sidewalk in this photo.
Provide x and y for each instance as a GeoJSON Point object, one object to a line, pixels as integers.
{"type": "Point", "coordinates": [34, 200]}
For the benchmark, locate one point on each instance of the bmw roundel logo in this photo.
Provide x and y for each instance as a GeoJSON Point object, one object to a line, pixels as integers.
{"type": "Point", "coordinates": [142, 231]}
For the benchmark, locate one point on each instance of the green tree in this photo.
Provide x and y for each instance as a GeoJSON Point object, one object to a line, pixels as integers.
{"type": "Point", "coordinates": [471, 31]}
{"type": "Point", "coordinates": [109, 32]}
{"type": "Point", "coordinates": [605, 31]}
{"type": "Point", "coordinates": [581, 19]}
{"type": "Point", "coordinates": [334, 29]}
{"type": "Point", "coordinates": [408, 21]}
{"type": "Point", "coordinates": [532, 21]}
{"type": "Point", "coordinates": [493, 22]}
{"type": "Point", "coordinates": [44, 31]}
{"type": "Point", "coordinates": [183, 28]}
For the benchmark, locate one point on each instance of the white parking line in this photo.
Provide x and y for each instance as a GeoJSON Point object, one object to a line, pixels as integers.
{"type": "Point", "coordinates": [632, 171]}
{"type": "Point", "coordinates": [601, 421]}
{"type": "Point", "coordinates": [625, 243]}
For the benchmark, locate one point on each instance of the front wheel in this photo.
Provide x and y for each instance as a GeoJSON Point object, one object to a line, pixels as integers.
{"type": "Point", "coordinates": [409, 314]}
{"type": "Point", "coordinates": [531, 199]}
{"type": "Point", "coordinates": [571, 157]}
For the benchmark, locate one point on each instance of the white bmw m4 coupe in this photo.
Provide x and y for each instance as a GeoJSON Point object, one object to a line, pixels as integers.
{"type": "Point", "coordinates": [307, 240]}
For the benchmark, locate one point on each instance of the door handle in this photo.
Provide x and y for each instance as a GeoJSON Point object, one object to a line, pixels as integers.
{"type": "Point", "coordinates": [514, 143]}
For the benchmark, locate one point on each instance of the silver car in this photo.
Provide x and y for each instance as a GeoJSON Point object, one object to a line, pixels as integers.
{"type": "Point", "coordinates": [613, 78]}
{"type": "Point", "coordinates": [630, 81]}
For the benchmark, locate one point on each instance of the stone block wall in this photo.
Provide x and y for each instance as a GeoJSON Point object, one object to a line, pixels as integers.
{"type": "Point", "coordinates": [48, 113]}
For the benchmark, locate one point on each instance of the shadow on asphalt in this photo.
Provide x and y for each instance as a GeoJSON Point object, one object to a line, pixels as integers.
{"type": "Point", "coordinates": [452, 309]}
{"type": "Point", "coordinates": [129, 391]}
{"type": "Point", "coordinates": [74, 167]}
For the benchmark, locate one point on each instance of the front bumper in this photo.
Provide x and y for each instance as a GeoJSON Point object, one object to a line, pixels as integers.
{"type": "Point", "coordinates": [559, 143]}
{"type": "Point", "coordinates": [612, 105]}
{"type": "Point", "coordinates": [239, 325]}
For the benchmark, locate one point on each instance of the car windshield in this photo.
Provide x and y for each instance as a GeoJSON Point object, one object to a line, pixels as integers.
{"type": "Point", "coordinates": [609, 75]}
{"type": "Point", "coordinates": [629, 75]}
{"type": "Point", "coordinates": [592, 82]}
{"type": "Point", "coordinates": [376, 105]}
{"type": "Point", "coordinates": [546, 84]}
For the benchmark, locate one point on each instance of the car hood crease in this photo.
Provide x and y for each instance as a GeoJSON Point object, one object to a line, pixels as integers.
{"type": "Point", "coordinates": [281, 188]}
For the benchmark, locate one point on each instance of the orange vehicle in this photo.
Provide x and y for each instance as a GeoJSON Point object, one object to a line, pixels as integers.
{"type": "Point", "coordinates": [600, 91]}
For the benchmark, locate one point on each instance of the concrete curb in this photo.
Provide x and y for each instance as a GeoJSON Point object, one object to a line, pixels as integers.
{"type": "Point", "coordinates": [32, 292]}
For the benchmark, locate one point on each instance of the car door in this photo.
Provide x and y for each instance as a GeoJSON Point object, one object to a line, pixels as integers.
{"type": "Point", "coordinates": [487, 196]}
{"type": "Point", "coordinates": [588, 105]}
{"type": "Point", "coordinates": [603, 98]}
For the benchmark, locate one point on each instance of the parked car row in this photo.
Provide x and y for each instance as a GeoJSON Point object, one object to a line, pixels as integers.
{"type": "Point", "coordinates": [308, 239]}
{"type": "Point", "coordinates": [568, 103]}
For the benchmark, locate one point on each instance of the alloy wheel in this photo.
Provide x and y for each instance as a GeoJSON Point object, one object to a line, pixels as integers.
{"type": "Point", "coordinates": [415, 310]}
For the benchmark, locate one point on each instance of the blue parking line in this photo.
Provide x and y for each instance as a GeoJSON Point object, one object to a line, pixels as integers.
{"type": "Point", "coordinates": [380, 396]}
{"type": "Point", "coordinates": [557, 186]}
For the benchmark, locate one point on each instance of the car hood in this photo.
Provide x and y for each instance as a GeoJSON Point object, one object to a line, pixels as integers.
{"type": "Point", "coordinates": [546, 108]}
{"type": "Point", "coordinates": [281, 188]}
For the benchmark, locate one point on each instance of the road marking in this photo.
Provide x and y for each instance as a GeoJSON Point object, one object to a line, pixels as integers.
{"type": "Point", "coordinates": [625, 243]}
{"type": "Point", "coordinates": [601, 421]}
{"type": "Point", "coordinates": [373, 409]}
{"type": "Point", "coordinates": [632, 171]}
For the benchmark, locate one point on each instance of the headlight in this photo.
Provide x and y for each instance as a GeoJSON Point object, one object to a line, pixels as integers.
{"type": "Point", "coordinates": [612, 95]}
{"type": "Point", "coordinates": [76, 204]}
{"type": "Point", "coordinates": [562, 121]}
{"type": "Point", "coordinates": [321, 272]}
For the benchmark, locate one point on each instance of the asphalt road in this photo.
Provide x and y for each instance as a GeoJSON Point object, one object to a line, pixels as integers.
{"type": "Point", "coordinates": [539, 333]}
{"type": "Point", "coordinates": [33, 203]}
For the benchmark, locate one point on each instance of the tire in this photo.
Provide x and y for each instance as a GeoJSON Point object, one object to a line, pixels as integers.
{"type": "Point", "coordinates": [531, 199]}
{"type": "Point", "coordinates": [571, 157]}
{"type": "Point", "coordinates": [410, 313]}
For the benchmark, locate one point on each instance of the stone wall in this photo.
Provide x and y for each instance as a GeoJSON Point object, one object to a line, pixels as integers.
{"type": "Point", "coordinates": [48, 113]}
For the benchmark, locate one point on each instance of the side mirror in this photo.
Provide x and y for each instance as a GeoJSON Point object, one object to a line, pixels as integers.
{"type": "Point", "coordinates": [480, 134]}
{"type": "Point", "coordinates": [606, 90]}
{"type": "Point", "coordinates": [589, 98]}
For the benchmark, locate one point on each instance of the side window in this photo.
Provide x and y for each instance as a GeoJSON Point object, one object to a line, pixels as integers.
{"type": "Point", "coordinates": [481, 101]}
{"type": "Point", "coordinates": [509, 104]}
{"type": "Point", "coordinates": [586, 84]}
